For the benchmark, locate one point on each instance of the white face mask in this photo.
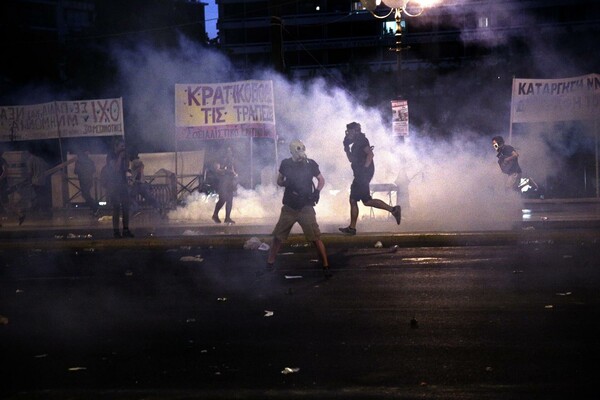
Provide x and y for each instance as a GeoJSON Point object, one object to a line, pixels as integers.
{"type": "Point", "coordinates": [298, 150]}
{"type": "Point", "coordinates": [496, 146]}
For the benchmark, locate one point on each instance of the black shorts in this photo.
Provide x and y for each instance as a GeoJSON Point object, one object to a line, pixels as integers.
{"type": "Point", "coordinates": [360, 189]}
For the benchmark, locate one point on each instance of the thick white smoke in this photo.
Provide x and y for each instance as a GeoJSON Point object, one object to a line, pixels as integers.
{"type": "Point", "coordinates": [447, 185]}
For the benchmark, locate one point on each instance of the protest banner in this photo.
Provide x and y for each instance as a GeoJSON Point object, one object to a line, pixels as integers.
{"type": "Point", "coordinates": [225, 110]}
{"type": "Point", "coordinates": [552, 100]}
{"type": "Point", "coordinates": [62, 119]}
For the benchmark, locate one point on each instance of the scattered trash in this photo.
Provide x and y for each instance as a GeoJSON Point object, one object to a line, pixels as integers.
{"type": "Point", "coordinates": [395, 248]}
{"type": "Point", "coordinates": [221, 299]}
{"type": "Point", "coordinates": [423, 383]}
{"type": "Point", "coordinates": [264, 247]}
{"type": "Point", "coordinates": [129, 273]}
{"type": "Point", "coordinates": [378, 244]}
{"type": "Point", "coordinates": [189, 232]}
{"type": "Point", "coordinates": [89, 250]}
{"type": "Point", "coordinates": [288, 370]}
{"type": "Point", "coordinates": [544, 218]}
{"type": "Point", "coordinates": [564, 294]}
{"type": "Point", "coordinates": [252, 244]}
{"type": "Point", "coordinates": [293, 276]}
{"type": "Point", "coordinates": [289, 253]}
{"type": "Point", "coordinates": [489, 369]}
{"type": "Point", "coordinates": [268, 313]}
{"type": "Point", "coordinates": [190, 320]}
{"type": "Point", "coordinates": [3, 320]}
{"type": "Point", "coordinates": [549, 306]}
{"type": "Point", "coordinates": [314, 260]}
{"type": "Point", "coordinates": [74, 236]}
{"type": "Point", "coordinates": [300, 245]}
{"type": "Point", "coordinates": [197, 258]}
{"type": "Point", "coordinates": [19, 291]}
{"type": "Point", "coordinates": [40, 356]}
{"type": "Point", "coordinates": [517, 271]}
{"type": "Point", "coordinates": [77, 369]}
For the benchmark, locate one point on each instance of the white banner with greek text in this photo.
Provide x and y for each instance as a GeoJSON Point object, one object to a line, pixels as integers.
{"type": "Point", "coordinates": [62, 119]}
{"type": "Point", "coordinates": [551, 100]}
{"type": "Point", "coordinates": [225, 110]}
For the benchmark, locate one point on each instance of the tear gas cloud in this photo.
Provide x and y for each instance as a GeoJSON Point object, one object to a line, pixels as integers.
{"type": "Point", "coordinates": [447, 184]}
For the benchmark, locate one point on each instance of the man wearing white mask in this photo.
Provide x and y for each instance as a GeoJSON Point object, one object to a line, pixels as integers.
{"type": "Point", "coordinates": [296, 174]}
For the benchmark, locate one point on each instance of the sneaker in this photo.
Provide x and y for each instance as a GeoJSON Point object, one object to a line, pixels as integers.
{"type": "Point", "coordinates": [348, 231]}
{"type": "Point", "coordinates": [216, 219]}
{"type": "Point", "coordinates": [397, 213]}
{"type": "Point", "coordinates": [127, 233]}
{"type": "Point", "coordinates": [229, 221]}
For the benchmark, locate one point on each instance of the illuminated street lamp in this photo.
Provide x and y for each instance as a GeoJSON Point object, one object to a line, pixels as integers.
{"type": "Point", "coordinates": [412, 8]}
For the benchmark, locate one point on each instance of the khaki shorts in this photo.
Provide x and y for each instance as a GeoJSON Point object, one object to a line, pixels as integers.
{"type": "Point", "coordinates": [305, 217]}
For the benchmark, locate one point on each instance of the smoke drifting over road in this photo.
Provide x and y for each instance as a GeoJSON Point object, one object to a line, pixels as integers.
{"type": "Point", "coordinates": [445, 184]}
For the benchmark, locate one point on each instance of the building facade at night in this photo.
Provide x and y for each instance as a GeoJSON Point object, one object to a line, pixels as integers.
{"type": "Point", "coordinates": [305, 37]}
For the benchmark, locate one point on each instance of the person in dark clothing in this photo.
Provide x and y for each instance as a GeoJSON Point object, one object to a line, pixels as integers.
{"type": "Point", "coordinates": [37, 169]}
{"type": "Point", "coordinates": [3, 185]}
{"type": "Point", "coordinates": [117, 164]}
{"type": "Point", "coordinates": [224, 171]}
{"type": "Point", "coordinates": [360, 154]}
{"type": "Point", "coordinates": [299, 198]}
{"type": "Point", "coordinates": [508, 160]}
{"type": "Point", "coordinates": [85, 169]}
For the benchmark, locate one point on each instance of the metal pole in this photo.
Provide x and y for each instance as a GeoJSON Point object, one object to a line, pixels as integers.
{"type": "Point", "coordinates": [597, 179]}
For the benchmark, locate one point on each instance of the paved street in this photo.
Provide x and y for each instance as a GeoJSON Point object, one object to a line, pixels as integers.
{"type": "Point", "coordinates": [495, 316]}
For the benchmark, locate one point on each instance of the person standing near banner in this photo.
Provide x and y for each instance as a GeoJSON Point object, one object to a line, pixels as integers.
{"type": "Point", "coordinates": [508, 160]}
{"type": "Point", "coordinates": [227, 183]}
{"type": "Point", "coordinates": [40, 182]}
{"type": "Point", "coordinates": [115, 180]}
{"type": "Point", "coordinates": [360, 154]}
{"type": "Point", "coordinates": [85, 170]}
{"type": "Point", "coordinates": [3, 184]}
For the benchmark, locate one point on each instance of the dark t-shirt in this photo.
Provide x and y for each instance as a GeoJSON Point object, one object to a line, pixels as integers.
{"type": "Point", "coordinates": [358, 157]}
{"type": "Point", "coordinates": [299, 181]}
{"type": "Point", "coordinates": [513, 166]}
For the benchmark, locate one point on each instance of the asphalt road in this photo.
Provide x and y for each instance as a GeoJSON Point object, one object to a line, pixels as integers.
{"type": "Point", "coordinates": [91, 321]}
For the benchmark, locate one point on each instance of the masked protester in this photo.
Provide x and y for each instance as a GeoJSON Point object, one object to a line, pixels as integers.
{"type": "Point", "coordinates": [360, 154]}
{"type": "Point", "coordinates": [300, 196]}
{"type": "Point", "coordinates": [508, 160]}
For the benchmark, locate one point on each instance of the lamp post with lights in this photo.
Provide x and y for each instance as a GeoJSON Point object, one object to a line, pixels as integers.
{"type": "Point", "coordinates": [382, 9]}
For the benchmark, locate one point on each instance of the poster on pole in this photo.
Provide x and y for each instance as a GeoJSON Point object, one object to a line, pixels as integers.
{"type": "Point", "coordinates": [400, 117]}
{"type": "Point", "coordinates": [553, 100]}
{"type": "Point", "coordinates": [225, 110]}
{"type": "Point", "coordinates": [61, 119]}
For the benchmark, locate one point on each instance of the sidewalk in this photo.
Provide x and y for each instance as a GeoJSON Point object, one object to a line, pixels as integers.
{"type": "Point", "coordinates": [561, 221]}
